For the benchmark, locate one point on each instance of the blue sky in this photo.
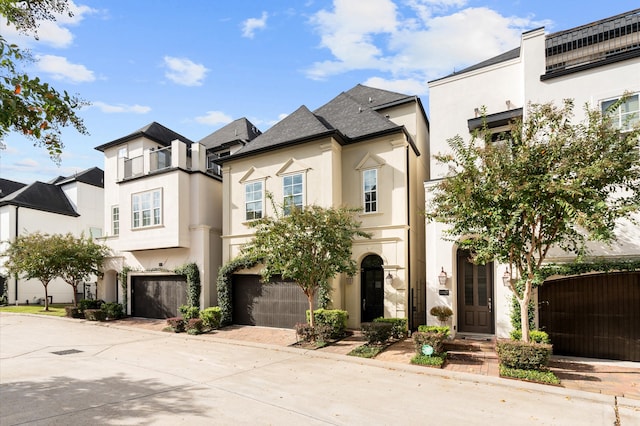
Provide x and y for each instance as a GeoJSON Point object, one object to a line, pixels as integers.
{"type": "Point", "coordinates": [196, 65]}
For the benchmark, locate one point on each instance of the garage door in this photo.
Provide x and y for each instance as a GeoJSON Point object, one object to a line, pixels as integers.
{"type": "Point", "coordinates": [276, 304]}
{"type": "Point", "coordinates": [157, 296]}
{"type": "Point", "coordinates": [594, 316]}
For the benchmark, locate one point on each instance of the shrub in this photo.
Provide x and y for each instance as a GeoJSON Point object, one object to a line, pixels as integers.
{"type": "Point", "coordinates": [211, 317]}
{"type": "Point", "coordinates": [95, 315]}
{"type": "Point", "coordinates": [335, 319]}
{"type": "Point", "coordinates": [73, 312]}
{"type": "Point", "coordinates": [113, 310]}
{"type": "Point", "coordinates": [85, 304]}
{"type": "Point", "coordinates": [435, 360]}
{"type": "Point", "coordinates": [305, 332]}
{"type": "Point", "coordinates": [441, 312]}
{"type": "Point", "coordinates": [176, 324]}
{"type": "Point", "coordinates": [537, 336]}
{"type": "Point", "coordinates": [530, 375]}
{"type": "Point", "coordinates": [366, 351]}
{"type": "Point", "coordinates": [195, 326]}
{"type": "Point", "coordinates": [434, 329]}
{"type": "Point", "coordinates": [376, 332]}
{"type": "Point", "coordinates": [523, 355]}
{"type": "Point", "coordinates": [435, 339]}
{"type": "Point", "coordinates": [399, 328]}
{"type": "Point", "coordinates": [189, 312]}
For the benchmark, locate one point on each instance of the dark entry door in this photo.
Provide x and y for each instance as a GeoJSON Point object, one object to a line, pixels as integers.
{"type": "Point", "coordinates": [475, 292]}
{"type": "Point", "coordinates": [372, 288]}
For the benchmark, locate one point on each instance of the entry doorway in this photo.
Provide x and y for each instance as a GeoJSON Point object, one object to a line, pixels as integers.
{"type": "Point", "coordinates": [372, 288]}
{"type": "Point", "coordinates": [475, 296]}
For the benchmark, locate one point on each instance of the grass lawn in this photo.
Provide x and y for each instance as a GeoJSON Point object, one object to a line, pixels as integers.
{"type": "Point", "coordinates": [56, 310]}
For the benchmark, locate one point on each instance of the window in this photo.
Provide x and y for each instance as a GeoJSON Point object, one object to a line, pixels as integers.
{"type": "Point", "coordinates": [146, 208]}
{"type": "Point", "coordinates": [370, 191]}
{"type": "Point", "coordinates": [115, 220]}
{"type": "Point", "coordinates": [122, 152]}
{"type": "Point", "coordinates": [626, 115]}
{"type": "Point", "coordinates": [292, 192]}
{"type": "Point", "coordinates": [253, 200]}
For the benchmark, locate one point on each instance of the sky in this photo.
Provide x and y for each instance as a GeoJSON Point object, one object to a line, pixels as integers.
{"type": "Point", "coordinates": [194, 66]}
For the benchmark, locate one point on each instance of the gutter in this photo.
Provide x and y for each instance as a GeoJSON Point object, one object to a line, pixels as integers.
{"type": "Point", "coordinates": [15, 276]}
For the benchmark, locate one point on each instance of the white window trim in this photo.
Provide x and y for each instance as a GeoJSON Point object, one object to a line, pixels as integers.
{"type": "Point", "coordinates": [113, 222]}
{"type": "Point", "coordinates": [617, 117]}
{"type": "Point", "coordinates": [377, 192]}
{"type": "Point", "coordinates": [262, 199]}
{"type": "Point", "coordinates": [304, 191]}
{"type": "Point", "coordinates": [152, 208]}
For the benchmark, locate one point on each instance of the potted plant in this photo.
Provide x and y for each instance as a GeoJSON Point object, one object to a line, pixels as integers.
{"type": "Point", "coordinates": [442, 312]}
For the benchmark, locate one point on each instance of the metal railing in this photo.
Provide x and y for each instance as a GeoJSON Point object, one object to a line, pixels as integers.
{"type": "Point", "coordinates": [160, 159]}
{"type": "Point", "coordinates": [133, 167]}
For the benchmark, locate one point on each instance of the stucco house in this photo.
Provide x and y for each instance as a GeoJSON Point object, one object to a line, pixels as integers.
{"type": "Point", "coordinates": [162, 204]}
{"type": "Point", "coordinates": [71, 204]}
{"type": "Point", "coordinates": [366, 148]}
{"type": "Point", "coordinates": [594, 64]}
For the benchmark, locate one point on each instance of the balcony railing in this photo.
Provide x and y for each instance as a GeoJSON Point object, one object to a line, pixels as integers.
{"type": "Point", "coordinates": [133, 167]}
{"type": "Point", "coordinates": [594, 42]}
{"type": "Point", "coordinates": [160, 159]}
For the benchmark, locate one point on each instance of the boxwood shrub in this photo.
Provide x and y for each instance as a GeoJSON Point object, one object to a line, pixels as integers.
{"type": "Point", "coordinates": [334, 319]}
{"type": "Point", "coordinates": [188, 312]}
{"type": "Point", "coordinates": [435, 339]}
{"type": "Point", "coordinates": [176, 324]}
{"type": "Point", "coordinates": [523, 355]}
{"type": "Point", "coordinates": [95, 314]}
{"type": "Point", "coordinates": [435, 360]}
{"type": "Point", "coordinates": [112, 310]}
{"type": "Point", "coordinates": [195, 326]}
{"type": "Point", "coordinates": [537, 336]}
{"type": "Point", "coordinates": [399, 328]}
{"type": "Point", "coordinates": [376, 332]}
{"type": "Point", "coordinates": [434, 328]}
{"type": "Point", "coordinates": [211, 317]}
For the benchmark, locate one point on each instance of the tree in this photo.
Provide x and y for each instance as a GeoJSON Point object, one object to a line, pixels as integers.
{"type": "Point", "coordinates": [549, 183]}
{"type": "Point", "coordinates": [79, 258]}
{"type": "Point", "coordinates": [30, 106]}
{"type": "Point", "coordinates": [309, 245]}
{"type": "Point", "coordinates": [34, 256]}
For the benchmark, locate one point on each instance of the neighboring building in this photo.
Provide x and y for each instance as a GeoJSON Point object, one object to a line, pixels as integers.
{"type": "Point", "coordinates": [594, 64]}
{"type": "Point", "coordinates": [366, 148]}
{"type": "Point", "coordinates": [70, 204]}
{"type": "Point", "coordinates": [162, 203]}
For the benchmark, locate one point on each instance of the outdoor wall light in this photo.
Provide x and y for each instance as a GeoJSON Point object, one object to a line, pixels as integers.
{"type": "Point", "coordinates": [389, 279]}
{"type": "Point", "coordinates": [442, 277]}
{"type": "Point", "coordinates": [506, 277]}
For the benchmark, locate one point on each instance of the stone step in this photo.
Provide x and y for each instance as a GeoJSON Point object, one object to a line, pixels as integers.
{"type": "Point", "coordinates": [471, 346]}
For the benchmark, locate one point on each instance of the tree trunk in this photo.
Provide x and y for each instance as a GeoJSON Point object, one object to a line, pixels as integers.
{"type": "Point", "coordinates": [312, 321]}
{"type": "Point", "coordinates": [524, 316]}
{"type": "Point", "coordinates": [46, 297]}
{"type": "Point", "coordinates": [75, 294]}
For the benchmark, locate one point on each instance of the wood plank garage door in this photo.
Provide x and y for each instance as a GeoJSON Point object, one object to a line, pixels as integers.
{"type": "Point", "coordinates": [277, 304]}
{"type": "Point", "coordinates": [593, 316]}
{"type": "Point", "coordinates": [157, 296]}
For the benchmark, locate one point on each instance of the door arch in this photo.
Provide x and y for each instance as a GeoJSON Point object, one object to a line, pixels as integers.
{"type": "Point", "coordinates": [475, 295]}
{"type": "Point", "coordinates": [371, 288]}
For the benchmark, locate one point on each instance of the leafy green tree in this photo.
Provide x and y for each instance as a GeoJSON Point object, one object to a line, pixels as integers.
{"type": "Point", "coordinates": [79, 258]}
{"type": "Point", "coordinates": [309, 245]}
{"type": "Point", "coordinates": [30, 106]}
{"type": "Point", "coordinates": [34, 256]}
{"type": "Point", "coordinates": [549, 183]}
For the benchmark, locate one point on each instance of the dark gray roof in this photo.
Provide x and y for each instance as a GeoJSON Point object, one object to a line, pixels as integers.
{"type": "Point", "coordinates": [503, 57]}
{"type": "Point", "coordinates": [348, 117]}
{"type": "Point", "coordinates": [495, 120]}
{"type": "Point", "coordinates": [8, 186]}
{"type": "Point", "coordinates": [93, 176]}
{"type": "Point", "coordinates": [153, 131]}
{"type": "Point", "coordinates": [239, 131]}
{"type": "Point", "coordinates": [41, 196]}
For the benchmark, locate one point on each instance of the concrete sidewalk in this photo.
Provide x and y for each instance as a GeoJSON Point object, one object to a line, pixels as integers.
{"type": "Point", "coordinates": [599, 376]}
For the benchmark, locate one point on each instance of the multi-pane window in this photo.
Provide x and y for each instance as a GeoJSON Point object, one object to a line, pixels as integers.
{"type": "Point", "coordinates": [292, 192]}
{"type": "Point", "coordinates": [253, 200]}
{"type": "Point", "coordinates": [115, 220]}
{"type": "Point", "coordinates": [370, 190]}
{"type": "Point", "coordinates": [626, 115]}
{"type": "Point", "coordinates": [147, 208]}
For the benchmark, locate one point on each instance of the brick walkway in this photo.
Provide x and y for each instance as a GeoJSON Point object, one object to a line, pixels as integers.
{"type": "Point", "coordinates": [575, 373]}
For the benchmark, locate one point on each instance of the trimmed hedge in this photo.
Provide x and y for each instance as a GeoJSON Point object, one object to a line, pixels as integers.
{"type": "Point", "coordinates": [435, 339]}
{"type": "Point", "coordinates": [195, 326]}
{"type": "Point", "coordinates": [537, 336]}
{"type": "Point", "coordinates": [435, 360]}
{"type": "Point", "coordinates": [73, 312]}
{"type": "Point", "coordinates": [189, 312]}
{"type": "Point", "coordinates": [319, 333]}
{"type": "Point", "coordinates": [376, 332]}
{"type": "Point", "coordinates": [211, 317]}
{"type": "Point", "coordinates": [176, 324]}
{"type": "Point", "coordinates": [113, 310]}
{"type": "Point", "coordinates": [95, 315]}
{"type": "Point", "coordinates": [399, 326]}
{"type": "Point", "coordinates": [523, 355]}
{"type": "Point", "coordinates": [547, 377]}
{"type": "Point", "coordinates": [335, 319]}
{"type": "Point", "coordinates": [85, 304]}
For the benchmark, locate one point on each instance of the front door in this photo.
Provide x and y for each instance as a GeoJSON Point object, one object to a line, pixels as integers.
{"type": "Point", "coordinates": [372, 288]}
{"type": "Point", "coordinates": [475, 293]}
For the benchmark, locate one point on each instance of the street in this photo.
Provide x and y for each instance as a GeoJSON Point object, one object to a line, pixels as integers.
{"type": "Point", "coordinates": [73, 372]}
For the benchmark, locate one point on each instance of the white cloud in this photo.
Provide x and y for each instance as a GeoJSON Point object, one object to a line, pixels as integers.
{"type": "Point", "coordinates": [184, 71]}
{"type": "Point", "coordinates": [61, 69]}
{"type": "Point", "coordinates": [250, 26]}
{"type": "Point", "coordinates": [412, 42]}
{"type": "Point", "coordinates": [214, 118]}
{"type": "Point", "coordinates": [120, 108]}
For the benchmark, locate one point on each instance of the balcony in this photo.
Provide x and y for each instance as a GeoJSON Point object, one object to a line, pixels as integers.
{"type": "Point", "coordinates": [601, 42]}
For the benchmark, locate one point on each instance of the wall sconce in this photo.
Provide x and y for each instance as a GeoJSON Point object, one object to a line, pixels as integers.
{"type": "Point", "coordinates": [506, 277]}
{"type": "Point", "coordinates": [389, 279]}
{"type": "Point", "coordinates": [442, 277]}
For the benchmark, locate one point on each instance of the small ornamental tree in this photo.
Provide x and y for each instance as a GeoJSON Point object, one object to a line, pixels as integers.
{"type": "Point", "coordinates": [79, 258]}
{"type": "Point", "coordinates": [310, 245]}
{"type": "Point", "coordinates": [34, 256]}
{"type": "Point", "coordinates": [547, 183]}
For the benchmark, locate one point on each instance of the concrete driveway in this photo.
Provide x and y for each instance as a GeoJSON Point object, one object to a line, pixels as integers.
{"type": "Point", "coordinates": [69, 372]}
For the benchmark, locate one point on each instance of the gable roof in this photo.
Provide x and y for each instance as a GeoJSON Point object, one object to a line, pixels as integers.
{"type": "Point", "coordinates": [93, 176]}
{"type": "Point", "coordinates": [240, 131]}
{"type": "Point", "coordinates": [377, 98]}
{"type": "Point", "coordinates": [503, 57]}
{"type": "Point", "coordinates": [153, 131]}
{"type": "Point", "coordinates": [41, 196]}
{"type": "Point", "coordinates": [8, 186]}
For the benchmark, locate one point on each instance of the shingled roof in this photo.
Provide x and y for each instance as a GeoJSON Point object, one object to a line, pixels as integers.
{"type": "Point", "coordinates": [240, 131]}
{"type": "Point", "coordinates": [8, 186]}
{"type": "Point", "coordinates": [503, 57]}
{"type": "Point", "coordinates": [153, 131]}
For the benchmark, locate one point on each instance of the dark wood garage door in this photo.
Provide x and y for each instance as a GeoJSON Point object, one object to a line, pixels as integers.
{"type": "Point", "coordinates": [157, 296]}
{"type": "Point", "coordinates": [276, 304]}
{"type": "Point", "coordinates": [593, 316]}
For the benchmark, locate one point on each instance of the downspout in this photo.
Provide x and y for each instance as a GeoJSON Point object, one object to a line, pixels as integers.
{"type": "Point", "coordinates": [409, 290]}
{"type": "Point", "coordinates": [15, 276]}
